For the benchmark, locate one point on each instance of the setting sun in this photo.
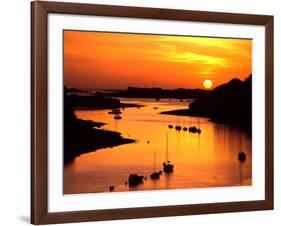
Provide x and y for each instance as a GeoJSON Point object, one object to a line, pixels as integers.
{"type": "Point", "coordinates": [207, 84]}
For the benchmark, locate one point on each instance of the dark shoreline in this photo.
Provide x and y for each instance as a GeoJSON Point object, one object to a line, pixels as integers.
{"type": "Point", "coordinates": [87, 137]}
{"type": "Point", "coordinates": [84, 136]}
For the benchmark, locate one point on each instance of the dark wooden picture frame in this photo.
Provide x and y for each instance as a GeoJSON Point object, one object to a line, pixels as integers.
{"type": "Point", "coordinates": [39, 109]}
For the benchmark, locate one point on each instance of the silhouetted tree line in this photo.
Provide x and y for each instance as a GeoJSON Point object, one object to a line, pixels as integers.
{"type": "Point", "coordinates": [97, 101]}
{"type": "Point", "coordinates": [136, 92]}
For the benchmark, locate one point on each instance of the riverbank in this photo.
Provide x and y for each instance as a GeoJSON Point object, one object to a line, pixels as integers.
{"type": "Point", "coordinates": [86, 136]}
{"type": "Point", "coordinates": [83, 136]}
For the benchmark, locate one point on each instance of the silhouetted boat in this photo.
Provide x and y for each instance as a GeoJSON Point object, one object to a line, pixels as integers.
{"type": "Point", "coordinates": [117, 117]}
{"type": "Point", "coordinates": [111, 188]}
{"type": "Point", "coordinates": [192, 129]}
{"type": "Point", "coordinates": [155, 108]}
{"type": "Point", "coordinates": [135, 180]}
{"type": "Point", "coordinates": [178, 128]}
{"type": "Point", "coordinates": [155, 175]}
{"type": "Point", "coordinates": [170, 126]}
{"type": "Point", "coordinates": [167, 166]}
{"type": "Point", "coordinates": [184, 129]}
{"type": "Point", "coordinates": [241, 156]}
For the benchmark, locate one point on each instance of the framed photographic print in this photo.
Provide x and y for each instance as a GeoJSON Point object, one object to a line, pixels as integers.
{"type": "Point", "coordinates": [145, 112]}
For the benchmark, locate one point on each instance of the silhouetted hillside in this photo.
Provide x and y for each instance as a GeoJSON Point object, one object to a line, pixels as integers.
{"type": "Point", "coordinates": [230, 103]}
{"type": "Point", "coordinates": [75, 90]}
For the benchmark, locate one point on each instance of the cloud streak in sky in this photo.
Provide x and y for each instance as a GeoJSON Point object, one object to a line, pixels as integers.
{"type": "Point", "coordinates": [114, 60]}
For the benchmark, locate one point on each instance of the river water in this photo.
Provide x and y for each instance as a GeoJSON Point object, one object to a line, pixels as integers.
{"type": "Point", "coordinates": [205, 160]}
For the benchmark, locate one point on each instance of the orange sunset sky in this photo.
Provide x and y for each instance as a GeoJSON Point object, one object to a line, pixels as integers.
{"type": "Point", "coordinates": [116, 61]}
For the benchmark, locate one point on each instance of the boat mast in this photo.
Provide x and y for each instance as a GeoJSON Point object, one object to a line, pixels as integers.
{"type": "Point", "coordinates": [167, 147]}
{"type": "Point", "coordinates": [154, 170]}
{"type": "Point", "coordinates": [240, 142]}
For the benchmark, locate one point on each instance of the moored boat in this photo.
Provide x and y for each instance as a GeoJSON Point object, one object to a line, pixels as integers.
{"type": "Point", "coordinates": [167, 166]}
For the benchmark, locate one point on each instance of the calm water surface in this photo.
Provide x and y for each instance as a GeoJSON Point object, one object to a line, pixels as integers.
{"type": "Point", "coordinates": [205, 160]}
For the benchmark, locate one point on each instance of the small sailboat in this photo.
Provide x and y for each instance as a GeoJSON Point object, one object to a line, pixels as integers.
{"type": "Point", "coordinates": [198, 129]}
{"type": "Point", "coordinates": [117, 116]}
{"type": "Point", "coordinates": [170, 126]}
{"type": "Point", "coordinates": [167, 166]}
{"type": "Point", "coordinates": [192, 129]}
{"type": "Point", "coordinates": [155, 175]}
{"type": "Point", "coordinates": [241, 156]}
{"type": "Point", "coordinates": [111, 188]}
{"type": "Point", "coordinates": [178, 128]}
{"type": "Point", "coordinates": [135, 179]}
